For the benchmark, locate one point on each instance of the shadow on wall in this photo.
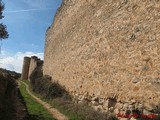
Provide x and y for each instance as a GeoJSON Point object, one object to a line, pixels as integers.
{"type": "Point", "coordinates": [45, 86]}
{"type": "Point", "coordinates": [51, 90]}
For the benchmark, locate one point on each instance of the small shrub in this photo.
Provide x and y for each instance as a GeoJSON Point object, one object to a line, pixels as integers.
{"type": "Point", "coordinates": [44, 86]}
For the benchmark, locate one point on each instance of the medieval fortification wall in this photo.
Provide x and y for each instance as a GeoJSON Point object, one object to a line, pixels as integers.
{"type": "Point", "coordinates": [25, 68]}
{"type": "Point", "coordinates": [107, 51]}
{"type": "Point", "coordinates": [29, 65]}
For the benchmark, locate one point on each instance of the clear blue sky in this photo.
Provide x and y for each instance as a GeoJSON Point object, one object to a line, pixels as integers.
{"type": "Point", "coordinates": [26, 21]}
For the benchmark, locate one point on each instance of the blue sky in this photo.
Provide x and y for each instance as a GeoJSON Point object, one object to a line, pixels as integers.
{"type": "Point", "coordinates": [26, 21]}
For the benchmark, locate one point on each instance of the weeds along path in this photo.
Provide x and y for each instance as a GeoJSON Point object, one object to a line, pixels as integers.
{"type": "Point", "coordinates": [56, 114]}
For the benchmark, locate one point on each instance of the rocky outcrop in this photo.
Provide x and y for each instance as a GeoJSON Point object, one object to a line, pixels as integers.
{"type": "Point", "coordinates": [104, 50]}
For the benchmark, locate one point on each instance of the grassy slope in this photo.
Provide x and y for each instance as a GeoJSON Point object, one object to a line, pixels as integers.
{"type": "Point", "coordinates": [59, 104]}
{"type": "Point", "coordinates": [36, 110]}
{"type": "Point", "coordinates": [71, 110]}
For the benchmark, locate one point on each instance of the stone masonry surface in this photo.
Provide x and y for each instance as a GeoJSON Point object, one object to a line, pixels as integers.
{"type": "Point", "coordinates": [34, 63]}
{"type": "Point", "coordinates": [107, 52]}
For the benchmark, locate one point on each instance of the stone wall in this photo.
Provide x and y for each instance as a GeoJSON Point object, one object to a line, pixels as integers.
{"type": "Point", "coordinates": [29, 65]}
{"type": "Point", "coordinates": [107, 50]}
{"type": "Point", "coordinates": [35, 62]}
{"type": "Point", "coordinates": [25, 68]}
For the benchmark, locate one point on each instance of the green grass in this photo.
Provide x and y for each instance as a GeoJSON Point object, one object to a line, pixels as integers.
{"type": "Point", "coordinates": [36, 111]}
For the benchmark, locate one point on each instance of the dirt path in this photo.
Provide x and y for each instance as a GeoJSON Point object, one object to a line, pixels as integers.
{"type": "Point", "coordinates": [56, 114]}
